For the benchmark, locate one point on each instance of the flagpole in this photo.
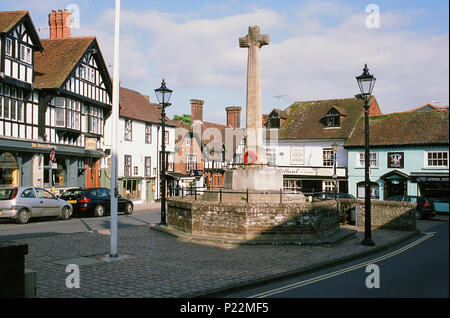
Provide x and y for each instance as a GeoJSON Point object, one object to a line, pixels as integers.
{"type": "Point", "coordinates": [114, 124]}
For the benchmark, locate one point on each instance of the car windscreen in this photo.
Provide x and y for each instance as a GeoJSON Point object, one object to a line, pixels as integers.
{"type": "Point", "coordinates": [7, 194]}
{"type": "Point", "coordinates": [73, 193]}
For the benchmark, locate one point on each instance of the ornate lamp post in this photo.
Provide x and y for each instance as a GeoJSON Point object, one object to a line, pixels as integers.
{"type": "Point", "coordinates": [163, 95]}
{"type": "Point", "coordinates": [366, 82]}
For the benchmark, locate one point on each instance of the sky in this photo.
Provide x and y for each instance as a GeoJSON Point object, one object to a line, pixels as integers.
{"type": "Point", "coordinates": [316, 48]}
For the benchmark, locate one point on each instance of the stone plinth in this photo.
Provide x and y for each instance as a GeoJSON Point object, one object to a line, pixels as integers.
{"type": "Point", "coordinates": [254, 178]}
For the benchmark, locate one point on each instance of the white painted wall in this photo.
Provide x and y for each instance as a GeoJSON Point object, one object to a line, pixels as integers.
{"type": "Point", "coordinates": [138, 150]}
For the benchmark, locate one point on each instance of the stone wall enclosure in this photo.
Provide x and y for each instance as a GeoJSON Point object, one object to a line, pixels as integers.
{"type": "Point", "coordinates": [306, 222]}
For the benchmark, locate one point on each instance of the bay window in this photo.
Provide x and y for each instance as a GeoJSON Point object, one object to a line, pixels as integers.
{"type": "Point", "coordinates": [60, 111]}
{"type": "Point", "coordinates": [95, 120]}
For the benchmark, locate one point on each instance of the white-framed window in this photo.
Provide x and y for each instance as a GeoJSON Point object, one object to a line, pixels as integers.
{"type": "Point", "coordinates": [148, 166]}
{"type": "Point", "coordinates": [166, 136]}
{"type": "Point", "coordinates": [328, 186]}
{"type": "Point", "coordinates": [148, 134]}
{"type": "Point", "coordinates": [87, 73]}
{"type": "Point", "coordinates": [360, 162]}
{"type": "Point", "coordinates": [374, 190]}
{"type": "Point", "coordinates": [333, 120]}
{"type": "Point", "coordinates": [60, 111]}
{"type": "Point", "coordinates": [127, 166]}
{"type": "Point", "coordinates": [95, 120]}
{"type": "Point", "coordinates": [191, 162]}
{"type": "Point", "coordinates": [436, 159]}
{"type": "Point", "coordinates": [328, 157]}
{"type": "Point", "coordinates": [128, 130]}
{"type": "Point", "coordinates": [25, 54]}
{"type": "Point", "coordinates": [8, 46]}
{"type": "Point", "coordinates": [271, 156]}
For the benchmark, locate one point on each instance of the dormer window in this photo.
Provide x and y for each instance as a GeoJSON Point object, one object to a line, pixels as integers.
{"type": "Point", "coordinates": [274, 122]}
{"type": "Point", "coordinates": [333, 120]}
{"type": "Point", "coordinates": [333, 117]}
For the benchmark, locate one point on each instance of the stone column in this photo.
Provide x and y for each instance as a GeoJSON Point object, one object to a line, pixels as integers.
{"type": "Point", "coordinates": [253, 41]}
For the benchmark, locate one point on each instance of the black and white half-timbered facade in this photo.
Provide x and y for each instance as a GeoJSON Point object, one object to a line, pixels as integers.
{"type": "Point", "coordinates": [61, 106]}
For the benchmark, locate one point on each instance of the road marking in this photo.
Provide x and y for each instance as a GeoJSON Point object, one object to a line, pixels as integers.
{"type": "Point", "coordinates": [344, 270]}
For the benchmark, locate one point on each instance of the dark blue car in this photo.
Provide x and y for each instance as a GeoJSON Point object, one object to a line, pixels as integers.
{"type": "Point", "coordinates": [96, 201]}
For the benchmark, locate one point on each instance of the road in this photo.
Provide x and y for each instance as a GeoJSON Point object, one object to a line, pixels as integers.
{"type": "Point", "coordinates": [418, 268]}
{"type": "Point", "coordinates": [10, 230]}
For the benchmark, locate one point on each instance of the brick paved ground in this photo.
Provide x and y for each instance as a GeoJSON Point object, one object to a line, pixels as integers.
{"type": "Point", "coordinates": [163, 266]}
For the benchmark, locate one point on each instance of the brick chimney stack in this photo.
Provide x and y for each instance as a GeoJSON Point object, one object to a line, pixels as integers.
{"type": "Point", "coordinates": [234, 116]}
{"type": "Point", "coordinates": [59, 22]}
{"type": "Point", "coordinates": [196, 110]}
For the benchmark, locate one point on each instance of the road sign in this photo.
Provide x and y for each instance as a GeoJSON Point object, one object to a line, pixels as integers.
{"type": "Point", "coordinates": [52, 154]}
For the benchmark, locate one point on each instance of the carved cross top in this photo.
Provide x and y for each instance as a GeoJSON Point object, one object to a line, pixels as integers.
{"type": "Point", "coordinates": [254, 38]}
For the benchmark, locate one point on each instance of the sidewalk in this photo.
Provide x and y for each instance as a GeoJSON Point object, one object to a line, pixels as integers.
{"type": "Point", "coordinates": [147, 206]}
{"type": "Point", "coordinates": [159, 265]}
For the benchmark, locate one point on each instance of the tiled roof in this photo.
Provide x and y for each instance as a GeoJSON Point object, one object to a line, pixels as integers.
{"type": "Point", "coordinates": [408, 128]}
{"type": "Point", "coordinates": [206, 125]}
{"type": "Point", "coordinates": [8, 19]}
{"type": "Point", "coordinates": [426, 107]}
{"type": "Point", "coordinates": [306, 120]}
{"type": "Point", "coordinates": [134, 105]}
{"type": "Point", "coordinates": [59, 58]}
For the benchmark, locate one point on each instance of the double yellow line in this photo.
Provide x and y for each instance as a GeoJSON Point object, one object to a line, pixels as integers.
{"type": "Point", "coordinates": [341, 271]}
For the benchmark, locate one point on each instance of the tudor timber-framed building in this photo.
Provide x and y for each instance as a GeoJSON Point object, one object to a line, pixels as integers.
{"type": "Point", "coordinates": [54, 94]}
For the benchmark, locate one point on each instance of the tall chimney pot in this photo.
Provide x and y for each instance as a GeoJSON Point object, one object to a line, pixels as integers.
{"type": "Point", "coordinates": [59, 23]}
{"type": "Point", "coordinates": [234, 116]}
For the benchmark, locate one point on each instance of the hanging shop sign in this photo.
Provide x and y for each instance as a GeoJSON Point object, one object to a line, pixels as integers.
{"type": "Point", "coordinates": [396, 160]}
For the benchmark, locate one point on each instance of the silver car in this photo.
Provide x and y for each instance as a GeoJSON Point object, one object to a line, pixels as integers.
{"type": "Point", "coordinates": [23, 203]}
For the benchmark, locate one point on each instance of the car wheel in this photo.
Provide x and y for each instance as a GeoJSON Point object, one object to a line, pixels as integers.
{"type": "Point", "coordinates": [65, 214]}
{"type": "Point", "coordinates": [99, 210]}
{"type": "Point", "coordinates": [128, 208]}
{"type": "Point", "coordinates": [23, 216]}
{"type": "Point", "coordinates": [418, 214]}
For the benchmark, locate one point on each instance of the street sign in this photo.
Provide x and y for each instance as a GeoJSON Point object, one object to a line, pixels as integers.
{"type": "Point", "coordinates": [52, 154]}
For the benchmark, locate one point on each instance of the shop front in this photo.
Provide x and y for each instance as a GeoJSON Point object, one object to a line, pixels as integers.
{"type": "Point", "coordinates": [434, 186]}
{"type": "Point", "coordinates": [29, 164]}
{"type": "Point", "coordinates": [314, 179]}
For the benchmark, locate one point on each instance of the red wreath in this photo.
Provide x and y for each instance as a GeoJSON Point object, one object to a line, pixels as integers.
{"type": "Point", "coordinates": [250, 157]}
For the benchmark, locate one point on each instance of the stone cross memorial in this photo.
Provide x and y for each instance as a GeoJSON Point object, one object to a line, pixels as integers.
{"type": "Point", "coordinates": [256, 175]}
{"type": "Point", "coordinates": [254, 41]}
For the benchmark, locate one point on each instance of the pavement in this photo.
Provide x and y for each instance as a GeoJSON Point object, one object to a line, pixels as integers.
{"type": "Point", "coordinates": [153, 264]}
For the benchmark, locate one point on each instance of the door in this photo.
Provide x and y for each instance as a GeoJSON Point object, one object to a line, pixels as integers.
{"type": "Point", "coordinates": [48, 203]}
{"type": "Point", "coordinates": [394, 187]}
{"type": "Point", "coordinates": [28, 198]}
{"type": "Point", "coordinates": [149, 193]}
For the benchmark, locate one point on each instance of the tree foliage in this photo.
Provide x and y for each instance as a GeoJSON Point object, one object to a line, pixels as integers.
{"type": "Point", "coordinates": [185, 117]}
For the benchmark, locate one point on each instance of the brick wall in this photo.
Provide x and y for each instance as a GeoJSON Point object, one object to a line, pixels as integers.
{"type": "Point", "coordinates": [253, 220]}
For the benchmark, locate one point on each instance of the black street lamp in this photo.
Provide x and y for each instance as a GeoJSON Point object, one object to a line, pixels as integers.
{"type": "Point", "coordinates": [366, 82]}
{"type": "Point", "coordinates": [163, 95]}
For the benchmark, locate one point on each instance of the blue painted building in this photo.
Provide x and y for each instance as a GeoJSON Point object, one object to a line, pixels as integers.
{"type": "Point", "coordinates": [408, 155]}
